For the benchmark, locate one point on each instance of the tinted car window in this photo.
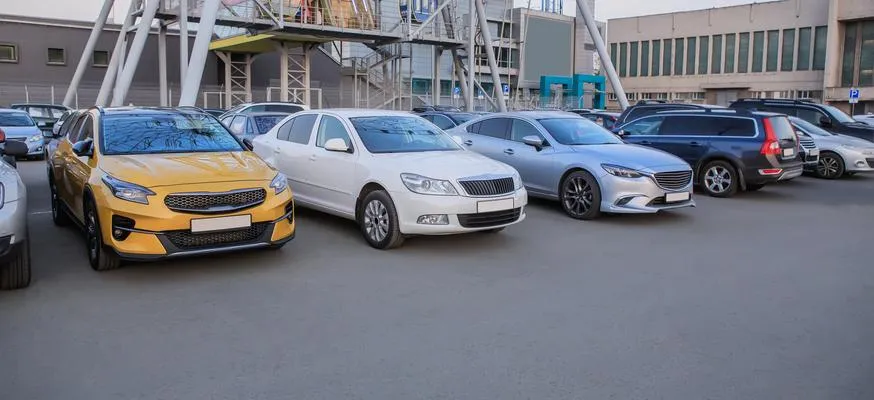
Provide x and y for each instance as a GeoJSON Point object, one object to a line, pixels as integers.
{"type": "Point", "coordinates": [302, 129]}
{"type": "Point", "coordinates": [644, 127]}
{"type": "Point", "coordinates": [521, 128]}
{"type": "Point", "coordinates": [474, 128]}
{"type": "Point", "coordinates": [238, 124]}
{"type": "Point", "coordinates": [811, 115]}
{"type": "Point", "coordinates": [442, 122]}
{"type": "Point", "coordinates": [65, 127]}
{"type": "Point", "coordinates": [256, 108]}
{"type": "Point", "coordinates": [331, 128]}
{"type": "Point", "coordinates": [391, 134]}
{"type": "Point", "coordinates": [782, 128]}
{"type": "Point", "coordinates": [578, 131]}
{"type": "Point", "coordinates": [288, 108]}
{"type": "Point", "coordinates": [264, 123]}
{"type": "Point", "coordinates": [73, 134]}
{"type": "Point", "coordinates": [461, 118]}
{"type": "Point", "coordinates": [495, 127]}
{"type": "Point", "coordinates": [15, 119]}
{"type": "Point", "coordinates": [165, 133]}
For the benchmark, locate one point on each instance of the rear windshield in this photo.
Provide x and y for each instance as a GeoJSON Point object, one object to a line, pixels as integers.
{"type": "Point", "coordinates": [264, 123]}
{"type": "Point", "coordinates": [165, 133]}
{"type": "Point", "coordinates": [15, 119]}
{"type": "Point", "coordinates": [782, 128]}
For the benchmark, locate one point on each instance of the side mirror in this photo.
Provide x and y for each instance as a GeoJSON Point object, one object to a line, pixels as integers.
{"type": "Point", "coordinates": [620, 132]}
{"type": "Point", "coordinates": [338, 145]}
{"type": "Point", "coordinates": [535, 141]}
{"type": "Point", "coordinates": [84, 148]}
{"type": "Point", "coordinates": [15, 148]}
{"type": "Point", "coordinates": [825, 121]}
{"type": "Point", "coordinates": [249, 144]}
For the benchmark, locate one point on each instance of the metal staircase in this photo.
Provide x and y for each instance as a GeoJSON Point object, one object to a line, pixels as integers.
{"type": "Point", "coordinates": [381, 81]}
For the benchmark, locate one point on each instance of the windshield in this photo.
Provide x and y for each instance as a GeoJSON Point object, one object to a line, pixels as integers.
{"type": "Point", "coordinates": [837, 114]}
{"type": "Point", "coordinates": [395, 134]}
{"type": "Point", "coordinates": [15, 119]}
{"type": "Point", "coordinates": [578, 131]}
{"type": "Point", "coordinates": [264, 123]}
{"type": "Point", "coordinates": [45, 112]}
{"type": "Point", "coordinates": [809, 128]}
{"type": "Point", "coordinates": [463, 117]}
{"type": "Point", "coordinates": [165, 133]}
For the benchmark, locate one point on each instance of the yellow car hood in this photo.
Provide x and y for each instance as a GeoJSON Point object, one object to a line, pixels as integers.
{"type": "Point", "coordinates": [153, 170]}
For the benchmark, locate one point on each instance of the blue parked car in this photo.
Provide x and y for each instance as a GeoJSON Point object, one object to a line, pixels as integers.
{"type": "Point", "coordinates": [248, 126]}
{"type": "Point", "coordinates": [729, 149]}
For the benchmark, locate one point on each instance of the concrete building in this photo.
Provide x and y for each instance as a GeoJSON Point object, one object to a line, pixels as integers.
{"type": "Point", "coordinates": [814, 49]}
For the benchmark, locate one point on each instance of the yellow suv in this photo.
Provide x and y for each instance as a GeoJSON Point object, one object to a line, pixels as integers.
{"type": "Point", "coordinates": [149, 183]}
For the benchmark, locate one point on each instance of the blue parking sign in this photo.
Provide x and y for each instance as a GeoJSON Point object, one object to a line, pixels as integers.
{"type": "Point", "coordinates": [854, 96]}
{"type": "Point", "coordinates": [505, 88]}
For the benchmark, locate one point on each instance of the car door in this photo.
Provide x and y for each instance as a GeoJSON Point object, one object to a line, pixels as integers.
{"type": "Point", "coordinates": [63, 157]}
{"type": "Point", "coordinates": [644, 131]}
{"type": "Point", "coordinates": [291, 152]}
{"type": "Point", "coordinates": [78, 167]}
{"type": "Point", "coordinates": [533, 164]}
{"type": "Point", "coordinates": [687, 136]}
{"type": "Point", "coordinates": [331, 174]}
{"type": "Point", "coordinates": [490, 137]}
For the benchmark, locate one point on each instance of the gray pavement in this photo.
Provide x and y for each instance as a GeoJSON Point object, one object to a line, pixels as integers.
{"type": "Point", "coordinates": [766, 296]}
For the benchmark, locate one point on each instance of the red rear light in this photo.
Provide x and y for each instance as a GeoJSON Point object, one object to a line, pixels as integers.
{"type": "Point", "coordinates": [2, 136]}
{"type": "Point", "coordinates": [770, 171]}
{"type": "Point", "coordinates": [771, 147]}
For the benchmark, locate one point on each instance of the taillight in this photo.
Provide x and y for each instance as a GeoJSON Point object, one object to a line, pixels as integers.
{"type": "Point", "coordinates": [2, 136]}
{"type": "Point", "coordinates": [771, 147]}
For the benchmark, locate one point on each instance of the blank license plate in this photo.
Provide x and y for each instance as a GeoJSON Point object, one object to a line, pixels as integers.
{"type": "Point", "coordinates": [220, 224]}
{"type": "Point", "coordinates": [788, 152]}
{"type": "Point", "coordinates": [675, 197]}
{"type": "Point", "coordinates": [813, 152]}
{"type": "Point", "coordinates": [494, 205]}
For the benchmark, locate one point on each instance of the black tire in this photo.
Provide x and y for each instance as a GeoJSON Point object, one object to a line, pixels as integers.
{"type": "Point", "coordinates": [752, 187]}
{"type": "Point", "coordinates": [59, 214]}
{"type": "Point", "coordinates": [830, 166]}
{"type": "Point", "coordinates": [580, 195]}
{"type": "Point", "coordinates": [16, 274]}
{"type": "Point", "coordinates": [99, 256]}
{"type": "Point", "coordinates": [719, 179]}
{"type": "Point", "coordinates": [378, 220]}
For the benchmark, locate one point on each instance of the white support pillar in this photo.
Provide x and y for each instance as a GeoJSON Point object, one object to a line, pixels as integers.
{"type": "Point", "coordinates": [283, 71]}
{"type": "Point", "coordinates": [458, 66]}
{"type": "Point", "coordinates": [117, 55]}
{"type": "Point", "coordinates": [468, 100]}
{"type": "Point", "coordinates": [197, 62]}
{"type": "Point", "coordinates": [86, 54]}
{"type": "Point", "coordinates": [183, 39]}
{"type": "Point", "coordinates": [435, 76]}
{"type": "Point", "coordinates": [136, 50]}
{"type": "Point", "coordinates": [163, 84]}
{"type": "Point", "coordinates": [606, 62]}
{"type": "Point", "coordinates": [490, 53]}
{"type": "Point", "coordinates": [307, 51]}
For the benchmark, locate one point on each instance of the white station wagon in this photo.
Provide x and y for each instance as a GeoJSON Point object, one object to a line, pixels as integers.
{"type": "Point", "coordinates": [394, 173]}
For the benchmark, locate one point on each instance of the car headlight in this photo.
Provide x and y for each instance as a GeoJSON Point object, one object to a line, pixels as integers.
{"type": "Point", "coordinates": [424, 185]}
{"type": "Point", "coordinates": [279, 183]}
{"type": "Point", "coordinates": [2, 195]}
{"type": "Point", "coordinates": [128, 191]}
{"type": "Point", "coordinates": [35, 138]}
{"type": "Point", "coordinates": [517, 181]}
{"type": "Point", "coordinates": [620, 171]}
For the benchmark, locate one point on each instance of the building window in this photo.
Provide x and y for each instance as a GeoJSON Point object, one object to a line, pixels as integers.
{"type": "Point", "coordinates": [773, 50]}
{"type": "Point", "coordinates": [678, 56]}
{"type": "Point", "coordinates": [633, 61]}
{"type": "Point", "coordinates": [803, 63]}
{"type": "Point", "coordinates": [623, 59]}
{"type": "Point", "coordinates": [8, 53]}
{"type": "Point", "coordinates": [848, 61]}
{"type": "Point", "coordinates": [667, 57]}
{"type": "Point", "coordinates": [421, 86]}
{"type": "Point", "coordinates": [857, 62]}
{"type": "Point", "coordinates": [788, 56]}
{"type": "Point", "coordinates": [656, 52]}
{"type": "Point", "coordinates": [100, 58]}
{"type": "Point", "coordinates": [716, 60]}
{"type": "Point", "coordinates": [729, 53]}
{"type": "Point", "coordinates": [743, 53]}
{"type": "Point", "coordinates": [613, 55]}
{"type": "Point", "coordinates": [56, 56]}
{"type": "Point", "coordinates": [644, 58]}
{"type": "Point", "coordinates": [612, 96]}
{"type": "Point", "coordinates": [866, 58]}
{"type": "Point", "coordinates": [758, 49]}
{"type": "Point", "coordinates": [819, 43]}
{"type": "Point", "coordinates": [703, 54]}
{"type": "Point", "coordinates": [690, 55]}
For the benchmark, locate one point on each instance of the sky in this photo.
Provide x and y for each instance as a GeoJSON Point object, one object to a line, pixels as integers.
{"type": "Point", "coordinates": [604, 9]}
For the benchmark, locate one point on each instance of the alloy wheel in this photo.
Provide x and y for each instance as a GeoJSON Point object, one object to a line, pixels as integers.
{"type": "Point", "coordinates": [827, 166]}
{"type": "Point", "coordinates": [717, 179]}
{"type": "Point", "coordinates": [376, 221]}
{"type": "Point", "coordinates": [54, 191]}
{"type": "Point", "coordinates": [578, 195]}
{"type": "Point", "coordinates": [93, 236]}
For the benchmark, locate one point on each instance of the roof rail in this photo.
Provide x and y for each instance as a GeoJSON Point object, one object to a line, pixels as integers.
{"type": "Point", "coordinates": [789, 101]}
{"type": "Point", "coordinates": [641, 102]}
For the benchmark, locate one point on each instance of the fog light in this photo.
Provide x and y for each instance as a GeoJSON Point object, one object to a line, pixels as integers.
{"type": "Point", "coordinates": [121, 227]}
{"type": "Point", "coordinates": [861, 164]}
{"type": "Point", "coordinates": [289, 209]}
{"type": "Point", "coordinates": [625, 200]}
{"type": "Point", "coordinates": [434, 219]}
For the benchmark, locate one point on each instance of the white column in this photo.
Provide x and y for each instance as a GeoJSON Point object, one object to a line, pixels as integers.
{"type": "Point", "coordinates": [117, 55]}
{"type": "Point", "coordinates": [86, 54]}
{"type": "Point", "coordinates": [470, 52]}
{"type": "Point", "coordinates": [183, 39]}
{"type": "Point", "coordinates": [435, 76]}
{"type": "Point", "coordinates": [197, 62]}
{"type": "Point", "coordinates": [162, 65]}
{"type": "Point", "coordinates": [606, 62]}
{"type": "Point", "coordinates": [490, 54]}
{"type": "Point", "coordinates": [283, 71]}
{"type": "Point", "coordinates": [136, 50]}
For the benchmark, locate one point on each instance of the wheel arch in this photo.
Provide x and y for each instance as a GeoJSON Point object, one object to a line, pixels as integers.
{"type": "Point", "coordinates": [571, 169]}
{"type": "Point", "coordinates": [368, 187]}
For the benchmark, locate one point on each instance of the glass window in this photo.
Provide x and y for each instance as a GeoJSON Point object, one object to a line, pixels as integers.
{"type": "Point", "coordinates": [716, 60]}
{"type": "Point", "coordinates": [473, 128]}
{"type": "Point", "coordinates": [743, 53]}
{"type": "Point", "coordinates": [238, 124]}
{"type": "Point", "coordinates": [656, 52]}
{"type": "Point", "coordinates": [614, 55]}
{"type": "Point", "coordinates": [773, 50]}
{"type": "Point", "coordinates": [461, 118]}
{"type": "Point", "coordinates": [758, 49]}
{"type": "Point", "coordinates": [495, 127]}
{"type": "Point", "coordinates": [15, 119]}
{"type": "Point", "coordinates": [87, 132]}
{"type": "Point", "coordinates": [100, 58]}
{"type": "Point", "coordinates": [644, 127]}
{"type": "Point", "coordinates": [154, 132]}
{"type": "Point", "coordinates": [521, 128]}
{"type": "Point", "coordinates": [809, 128]}
{"type": "Point", "coordinates": [332, 128]}
{"type": "Point", "coordinates": [788, 56]}
{"type": "Point", "coordinates": [866, 63]}
{"type": "Point", "coordinates": [679, 57]}
{"type": "Point", "coordinates": [811, 115]}
{"type": "Point", "coordinates": [65, 127]}
{"type": "Point", "coordinates": [682, 125]}
{"type": "Point", "coordinates": [8, 53]}
{"type": "Point", "coordinates": [703, 54]}
{"type": "Point", "coordinates": [690, 57]}
{"type": "Point", "coordinates": [623, 59]}
{"type": "Point", "coordinates": [819, 43]}
{"type": "Point", "coordinates": [393, 134]}
{"type": "Point", "coordinates": [299, 129]}
{"type": "Point", "coordinates": [803, 49]}
{"type": "Point", "coordinates": [421, 86]}
{"type": "Point", "coordinates": [667, 57]}
{"type": "Point", "coordinates": [644, 58]}
{"type": "Point", "coordinates": [848, 60]}
{"type": "Point", "coordinates": [729, 53]}
{"type": "Point", "coordinates": [263, 123]}
{"type": "Point", "coordinates": [837, 114]}
{"type": "Point", "coordinates": [56, 56]}
{"type": "Point", "coordinates": [578, 131]}
{"type": "Point", "coordinates": [633, 59]}
{"type": "Point", "coordinates": [442, 122]}
{"type": "Point", "coordinates": [286, 108]}
{"type": "Point", "coordinates": [782, 128]}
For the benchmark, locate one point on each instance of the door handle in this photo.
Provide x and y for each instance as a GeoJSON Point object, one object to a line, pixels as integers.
{"type": "Point", "coordinates": [313, 157]}
{"type": "Point", "coordinates": [645, 142]}
{"type": "Point", "coordinates": [694, 144]}
{"type": "Point", "coordinates": [468, 142]}
{"type": "Point", "coordinates": [509, 151]}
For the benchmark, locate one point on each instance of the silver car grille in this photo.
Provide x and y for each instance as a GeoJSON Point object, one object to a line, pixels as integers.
{"type": "Point", "coordinates": [673, 180]}
{"type": "Point", "coordinates": [806, 142]}
{"type": "Point", "coordinates": [487, 187]}
{"type": "Point", "coordinates": [210, 203]}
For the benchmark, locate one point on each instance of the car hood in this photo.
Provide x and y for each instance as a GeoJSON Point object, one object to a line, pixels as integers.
{"type": "Point", "coordinates": [844, 139]}
{"type": "Point", "coordinates": [447, 165]}
{"type": "Point", "coordinates": [20, 131]}
{"type": "Point", "coordinates": [630, 156]}
{"type": "Point", "coordinates": [155, 170]}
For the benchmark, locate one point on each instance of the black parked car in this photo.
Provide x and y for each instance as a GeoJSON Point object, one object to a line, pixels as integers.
{"type": "Point", "coordinates": [448, 119]}
{"type": "Point", "coordinates": [824, 116]}
{"type": "Point", "coordinates": [649, 107]}
{"type": "Point", "coordinates": [729, 150]}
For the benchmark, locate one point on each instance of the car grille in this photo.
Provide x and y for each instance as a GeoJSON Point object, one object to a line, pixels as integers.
{"type": "Point", "coordinates": [187, 241]}
{"type": "Point", "coordinates": [487, 219]}
{"type": "Point", "coordinates": [488, 187]}
{"type": "Point", "coordinates": [673, 180]}
{"type": "Point", "coordinates": [870, 162]}
{"type": "Point", "coordinates": [17, 139]}
{"type": "Point", "coordinates": [206, 203]}
{"type": "Point", "coordinates": [806, 142]}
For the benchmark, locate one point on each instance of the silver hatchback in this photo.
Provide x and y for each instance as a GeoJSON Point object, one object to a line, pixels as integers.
{"type": "Point", "coordinates": [568, 158]}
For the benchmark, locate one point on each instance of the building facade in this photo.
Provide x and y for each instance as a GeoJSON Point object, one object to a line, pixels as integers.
{"type": "Point", "coordinates": [815, 49]}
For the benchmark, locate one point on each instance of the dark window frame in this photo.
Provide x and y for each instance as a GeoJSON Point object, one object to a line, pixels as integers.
{"type": "Point", "coordinates": [15, 55]}
{"type": "Point", "coordinates": [63, 53]}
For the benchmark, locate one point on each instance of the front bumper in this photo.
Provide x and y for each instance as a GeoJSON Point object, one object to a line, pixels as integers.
{"type": "Point", "coordinates": [810, 158]}
{"type": "Point", "coordinates": [463, 212]}
{"type": "Point", "coordinates": [858, 161]}
{"type": "Point", "coordinates": [639, 195]}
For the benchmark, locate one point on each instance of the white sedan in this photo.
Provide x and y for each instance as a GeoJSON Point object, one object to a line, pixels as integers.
{"type": "Point", "coordinates": [394, 173]}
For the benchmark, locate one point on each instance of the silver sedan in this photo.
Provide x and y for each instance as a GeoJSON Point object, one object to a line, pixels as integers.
{"type": "Point", "coordinates": [839, 155]}
{"type": "Point", "coordinates": [565, 157]}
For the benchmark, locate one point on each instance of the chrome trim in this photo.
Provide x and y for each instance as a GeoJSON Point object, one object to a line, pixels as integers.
{"type": "Point", "coordinates": [218, 250]}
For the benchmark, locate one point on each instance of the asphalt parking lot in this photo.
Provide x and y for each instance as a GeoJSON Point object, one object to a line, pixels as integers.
{"type": "Point", "coordinates": [767, 295]}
